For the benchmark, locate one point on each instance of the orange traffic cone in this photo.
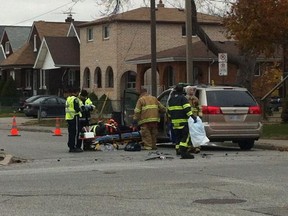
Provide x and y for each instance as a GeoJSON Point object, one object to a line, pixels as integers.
{"type": "Point", "coordinates": [57, 131]}
{"type": "Point", "coordinates": [14, 131]}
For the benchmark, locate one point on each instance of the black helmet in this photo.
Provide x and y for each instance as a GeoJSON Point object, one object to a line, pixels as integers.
{"type": "Point", "coordinates": [83, 93]}
{"type": "Point", "coordinates": [132, 146]}
{"type": "Point", "coordinates": [179, 88]}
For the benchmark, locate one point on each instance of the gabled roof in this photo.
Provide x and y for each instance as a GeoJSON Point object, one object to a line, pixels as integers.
{"type": "Point", "coordinates": [17, 35]}
{"type": "Point", "coordinates": [23, 57]}
{"type": "Point", "coordinates": [2, 53]}
{"type": "Point", "coordinates": [53, 29]}
{"type": "Point", "coordinates": [74, 30]}
{"type": "Point", "coordinates": [1, 30]}
{"type": "Point", "coordinates": [168, 15]}
{"type": "Point", "coordinates": [63, 51]}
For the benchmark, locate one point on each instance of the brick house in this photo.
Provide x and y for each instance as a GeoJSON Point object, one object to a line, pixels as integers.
{"type": "Point", "coordinates": [107, 43]}
{"type": "Point", "coordinates": [171, 65]}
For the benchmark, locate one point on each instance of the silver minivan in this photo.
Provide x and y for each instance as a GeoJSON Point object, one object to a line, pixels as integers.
{"type": "Point", "coordinates": [228, 113]}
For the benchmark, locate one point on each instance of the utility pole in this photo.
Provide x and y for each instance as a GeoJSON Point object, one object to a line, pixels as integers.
{"type": "Point", "coordinates": [189, 60]}
{"type": "Point", "coordinates": [153, 48]}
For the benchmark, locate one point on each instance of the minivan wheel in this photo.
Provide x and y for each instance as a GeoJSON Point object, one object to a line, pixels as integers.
{"type": "Point", "coordinates": [246, 144]}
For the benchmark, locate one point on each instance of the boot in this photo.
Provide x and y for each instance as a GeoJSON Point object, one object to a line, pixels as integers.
{"type": "Point", "coordinates": [194, 150]}
{"type": "Point", "coordinates": [184, 153]}
{"type": "Point", "coordinates": [177, 151]}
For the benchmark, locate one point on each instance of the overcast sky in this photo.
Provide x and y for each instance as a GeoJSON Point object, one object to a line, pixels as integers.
{"type": "Point", "coordinates": [25, 12]}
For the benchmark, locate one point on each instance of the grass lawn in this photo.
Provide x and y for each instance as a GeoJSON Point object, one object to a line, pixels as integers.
{"type": "Point", "coordinates": [275, 131]}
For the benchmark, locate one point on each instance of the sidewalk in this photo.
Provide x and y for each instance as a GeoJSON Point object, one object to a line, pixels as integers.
{"type": "Point", "coordinates": [6, 124]}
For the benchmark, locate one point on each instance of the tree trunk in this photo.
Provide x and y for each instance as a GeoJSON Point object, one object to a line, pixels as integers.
{"type": "Point", "coordinates": [246, 63]}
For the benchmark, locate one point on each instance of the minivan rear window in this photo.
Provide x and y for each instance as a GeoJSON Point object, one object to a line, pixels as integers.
{"type": "Point", "coordinates": [230, 98]}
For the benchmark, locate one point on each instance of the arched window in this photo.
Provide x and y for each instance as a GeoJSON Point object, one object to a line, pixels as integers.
{"type": "Point", "coordinates": [109, 78]}
{"type": "Point", "coordinates": [98, 78]}
{"type": "Point", "coordinates": [170, 76]}
{"type": "Point", "coordinates": [131, 80]}
{"type": "Point", "coordinates": [86, 78]}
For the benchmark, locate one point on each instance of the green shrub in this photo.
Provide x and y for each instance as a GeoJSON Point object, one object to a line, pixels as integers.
{"type": "Point", "coordinates": [93, 97]}
{"type": "Point", "coordinates": [9, 92]}
{"type": "Point", "coordinates": [2, 82]}
{"type": "Point", "coordinates": [104, 105]}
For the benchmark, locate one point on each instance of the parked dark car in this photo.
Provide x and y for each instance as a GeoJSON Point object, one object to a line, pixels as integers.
{"type": "Point", "coordinates": [46, 106]}
{"type": "Point", "coordinates": [24, 101]}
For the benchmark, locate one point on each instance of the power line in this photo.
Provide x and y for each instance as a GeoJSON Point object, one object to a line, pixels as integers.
{"type": "Point", "coordinates": [46, 13]}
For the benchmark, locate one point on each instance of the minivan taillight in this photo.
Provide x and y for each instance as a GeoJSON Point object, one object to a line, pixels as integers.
{"type": "Point", "coordinates": [211, 110]}
{"type": "Point", "coordinates": [254, 110]}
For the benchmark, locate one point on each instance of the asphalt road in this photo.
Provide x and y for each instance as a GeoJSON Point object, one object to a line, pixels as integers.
{"type": "Point", "coordinates": [219, 181]}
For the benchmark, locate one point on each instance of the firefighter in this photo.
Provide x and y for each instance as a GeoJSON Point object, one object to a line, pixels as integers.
{"type": "Point", "coordinates": [179, 110]}
{"type": "Point", "coordinates": [73, 108]}
{"type": "Point", "coordinates": [192, 99]}
{"type": "Point", "coordinates": [147, 116]}
{"type": "Point", "coordinates": [194, 102]}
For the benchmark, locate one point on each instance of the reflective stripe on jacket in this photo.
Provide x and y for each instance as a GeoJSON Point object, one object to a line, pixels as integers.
{"type": "Point", "coordinates": [179, 110]}
{"type": "Point", "coordinates": [147, 109]}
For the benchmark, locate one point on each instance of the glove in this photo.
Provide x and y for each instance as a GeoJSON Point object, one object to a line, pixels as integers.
{"type": "Point", "coordinates": [194, 118]}
{"type": "Point", "coordinates": [93, 106]}
{"type": "Point", "coordinates": [134, 125]}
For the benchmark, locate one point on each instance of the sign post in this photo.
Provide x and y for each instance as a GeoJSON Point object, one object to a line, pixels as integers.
{"type": "Point", "coordinates": [222, 59]}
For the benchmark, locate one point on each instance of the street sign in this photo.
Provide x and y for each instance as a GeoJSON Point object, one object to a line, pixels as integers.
{"type": "Point", "coordinates": [223, 69]}
{"type": "Point", "coordinates": [222, 57]}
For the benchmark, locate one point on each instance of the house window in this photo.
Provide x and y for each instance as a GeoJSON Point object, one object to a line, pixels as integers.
{"type": "Point", "coordinates": [131, 80]}
{"type": "Point", "coordinates": [71, 78]}
{"type": "Point", "coordinates": [98, 78]}
{"type": "Point", "coordinates": [86, 78]}
{"type": "Point", "coordinates": [12, 74]}
{"type": "Point", "coordinates": [42, 79]}
{"type": "Point", "coordinates": [183, 30]}
{"type": "Point", "coordinates": [90, 34]}
{"type": "Point", "coordinates": [7, 47]}
{"type": "Point", "coordinates": [106, 32]}
{"type": "Point", "coordinates": [257, 70]}
{"type": "Point", "coordinates": [110, 78]}
{"type": "Point", "coordinates": [170, 76]}
{"type": "Point", "coordinates": [28, 76]}
{"type": "Point", "coordinates": [193, 31]}
{"type": "Point", "coordinates": [35, 43]}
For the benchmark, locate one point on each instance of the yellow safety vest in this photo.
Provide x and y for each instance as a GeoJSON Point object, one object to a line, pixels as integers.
{"type": "Point", "coordinates": [70, 111]}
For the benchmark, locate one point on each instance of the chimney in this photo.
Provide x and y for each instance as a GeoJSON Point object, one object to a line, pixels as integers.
{"type": "Point", "coordinates": [160, 4]}
{"type": "Point", "coordinates": [69, 18]}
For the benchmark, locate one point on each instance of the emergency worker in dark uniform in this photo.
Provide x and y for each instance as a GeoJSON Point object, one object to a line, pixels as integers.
{"type": "Point", "coordinates": [86, 107]}
{"type": "Point", "coordinates": [73, 108]}
{"type": "Point", "coordinates": [147, 115]}
{"type": "Point", "coordinates": [179, 110]}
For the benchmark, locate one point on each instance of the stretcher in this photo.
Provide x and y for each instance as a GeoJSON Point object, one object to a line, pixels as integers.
{"type": "Point", "coordinates": [96, 136]}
